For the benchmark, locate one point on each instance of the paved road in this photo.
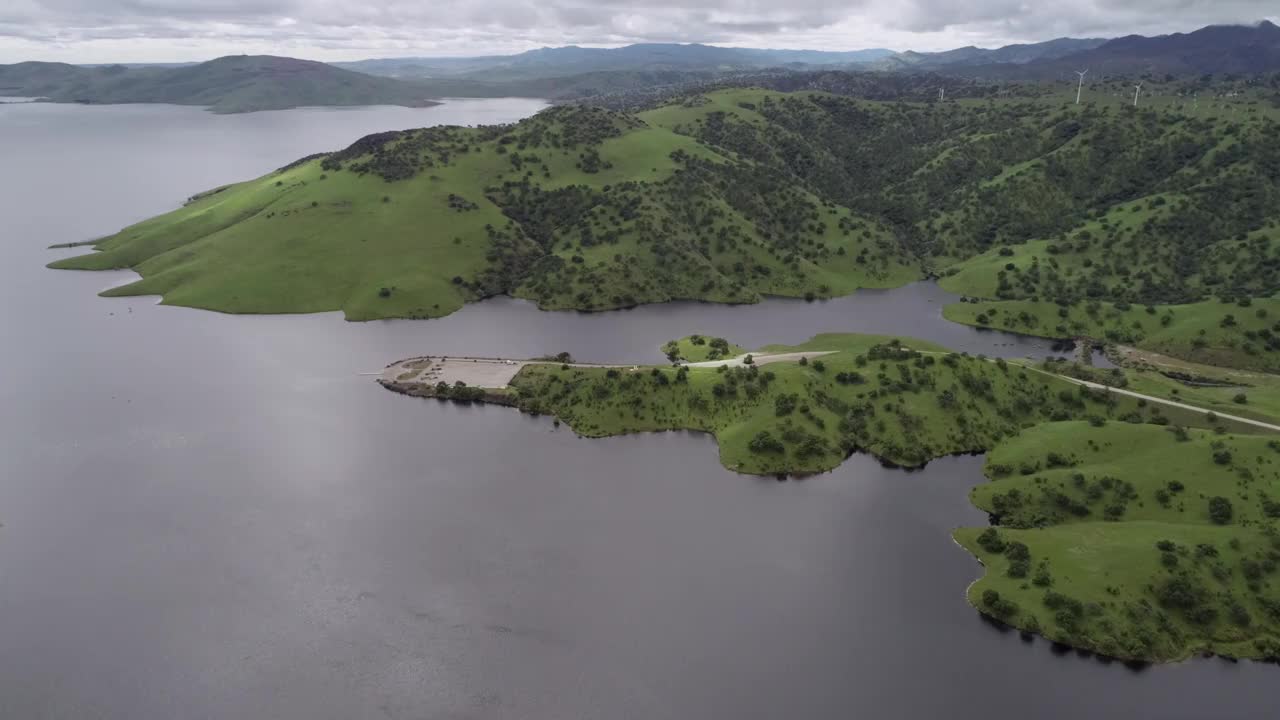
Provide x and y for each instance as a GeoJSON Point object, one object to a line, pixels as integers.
{"type": "Point", "coordinates": [760, 359]}
{"type": "Point", "coordinates": [1161, 401]}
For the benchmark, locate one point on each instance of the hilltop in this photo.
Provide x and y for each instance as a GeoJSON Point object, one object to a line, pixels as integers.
{"type": "Point", "coordinates": [240, 83]}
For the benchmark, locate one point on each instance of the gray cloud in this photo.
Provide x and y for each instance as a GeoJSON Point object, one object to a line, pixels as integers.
{"type": "Point", "coordinates": [381, 27]}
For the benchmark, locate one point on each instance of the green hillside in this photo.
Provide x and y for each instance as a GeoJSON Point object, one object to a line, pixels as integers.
{"type": "Point", "coordinates": [574, 208]}
{"type": "Point", "coordinates": [731, 195]}
{"type": "Point", "coordinates": [1133, 540]}
{"type": "Point", "coordinates": [232, 84]}
{"type": "Point", "coordinates": [1243, 334]}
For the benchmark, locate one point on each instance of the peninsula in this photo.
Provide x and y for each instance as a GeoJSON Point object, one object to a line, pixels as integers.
{"type": "Point", "coordinates": [1102, 540]}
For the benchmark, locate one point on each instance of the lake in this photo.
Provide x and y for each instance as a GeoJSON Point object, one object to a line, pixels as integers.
{"type": "Point", "coordinates": [216, 516]}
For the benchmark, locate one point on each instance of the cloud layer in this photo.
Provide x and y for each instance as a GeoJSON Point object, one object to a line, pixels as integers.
{"type": "Point", "coordinates": [111, 30]}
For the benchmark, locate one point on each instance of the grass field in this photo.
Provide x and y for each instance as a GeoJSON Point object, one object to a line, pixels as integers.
{"type": "Point", "coordinates": [1209, 333]}
{"type": "Point", "coordinates": [701, 348]}
{"type": "Point", "coordinates": [874, 394]}
{"type": "Point", "coordinates": [1136, 541]}
{"type": "Point", "coordinates": [1237, 392]}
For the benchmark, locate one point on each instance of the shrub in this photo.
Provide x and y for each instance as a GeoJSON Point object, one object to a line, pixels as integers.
{"type": "Point", "coordinates": [1017, 551]}
{"type": "Point", "coordinates": [1220, 510]}
{"type": "Point", "coordinates": [784, 404]}
{"type": "Point", "coordinates": [765, 442]}
{"type": "Point", "coordinates": [991, 541]}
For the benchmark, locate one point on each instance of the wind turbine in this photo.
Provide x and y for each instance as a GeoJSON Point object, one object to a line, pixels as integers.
{"type": "Point", "coordinates": [1080, 87]}
{"type": "Point", "coordinates": [942, 94]}
{"type": "Point", "coordinates": [1137, 89]}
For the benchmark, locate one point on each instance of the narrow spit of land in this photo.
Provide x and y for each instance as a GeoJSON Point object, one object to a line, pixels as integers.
{"type": "Point", "coordinates": [496, 373]}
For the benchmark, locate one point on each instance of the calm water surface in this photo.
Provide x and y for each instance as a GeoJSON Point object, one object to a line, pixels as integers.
{"type": "Point", "coordinates": [216, 517]}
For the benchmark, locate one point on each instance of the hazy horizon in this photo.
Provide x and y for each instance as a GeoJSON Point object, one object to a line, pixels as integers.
{"type": "Point", "coordinates": [160, 31]}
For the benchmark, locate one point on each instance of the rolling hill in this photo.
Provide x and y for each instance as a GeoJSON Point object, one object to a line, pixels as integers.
{"type": "Point", "coordinates": [574, 208]}
{"type": "Point", "coordinates": [731, 195]}
{"type": "Point", "coordinates": [230, 84]}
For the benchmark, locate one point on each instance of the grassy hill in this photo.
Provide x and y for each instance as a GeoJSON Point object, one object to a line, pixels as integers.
{"type": "Point", "coordinates": [1133, 540]}
{"type": "Point", "coordinates": [738, 193]}
{"type": "Point", "coordinates": [574, 208]}
{"type": "Point", "coordinates": [1241, 335]}
{"type": "Point", "coordinates": [239, 83]}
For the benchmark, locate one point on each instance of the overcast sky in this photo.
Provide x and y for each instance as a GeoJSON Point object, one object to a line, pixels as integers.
{"type": "Point", "coordinates": [182, 30]}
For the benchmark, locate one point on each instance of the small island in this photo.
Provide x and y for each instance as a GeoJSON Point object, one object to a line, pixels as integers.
{"type": "Point", "coordinates": [1125, 525]}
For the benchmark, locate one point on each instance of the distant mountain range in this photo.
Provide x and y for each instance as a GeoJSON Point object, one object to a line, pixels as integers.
{"type": "Point", "coordinates": [1217, 50]}
{"type": "Point", "coordinates": [573, 60]}
{"type": "Point", "coordinates": [240, 83]}
{"type": "Point", "coordinates": [1009, 54]}
{"type": "Point", "coordinates": [247, 83]}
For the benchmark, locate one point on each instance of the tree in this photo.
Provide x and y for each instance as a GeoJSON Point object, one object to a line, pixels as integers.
{"type": "Point", "coordinates": [1220, 510]}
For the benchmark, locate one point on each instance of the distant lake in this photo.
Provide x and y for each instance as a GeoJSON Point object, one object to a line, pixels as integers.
{"type": "Point", "coordinates": [217, 516]}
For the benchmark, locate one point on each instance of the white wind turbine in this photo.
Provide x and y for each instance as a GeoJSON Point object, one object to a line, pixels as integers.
{"type": "Point", "coordinates": [1080, 87]}
{"type": "Point", "coordinates": [942, 94]}
{"type": "Point", "coordinates": [1137, 89]}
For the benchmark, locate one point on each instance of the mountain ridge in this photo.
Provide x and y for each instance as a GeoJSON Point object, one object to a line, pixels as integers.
{"type": "Point", "coordinates": [229, 84]}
